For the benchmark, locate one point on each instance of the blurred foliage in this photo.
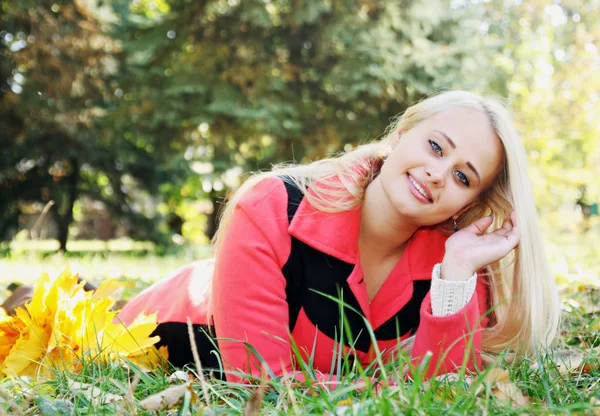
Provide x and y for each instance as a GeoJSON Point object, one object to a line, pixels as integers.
{"type": "Point", "coordinates": [157, 107]}
{"type": "Point", "coordinates": [171, 101]}
{"type": "Point", "coordinates": [255, 83]}
{"type": "Point", "coordinates": [552, 64]}
{"type": "Point", "coordinates": [59, 137]}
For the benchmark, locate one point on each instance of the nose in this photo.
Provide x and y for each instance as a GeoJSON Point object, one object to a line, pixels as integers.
{"type": "Point", "coordinates": [436, 174]}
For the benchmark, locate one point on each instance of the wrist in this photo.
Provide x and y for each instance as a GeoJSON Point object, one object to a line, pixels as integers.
{"type": "Point", "coordinates": [452, 270]}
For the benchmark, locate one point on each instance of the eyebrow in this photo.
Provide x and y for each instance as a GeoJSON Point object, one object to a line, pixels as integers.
{"type": "Point", "coordinates": [453, 145]}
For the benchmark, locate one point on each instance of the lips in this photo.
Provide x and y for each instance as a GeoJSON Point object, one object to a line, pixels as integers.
{"type": "Point", "coordinates": [415, 188]}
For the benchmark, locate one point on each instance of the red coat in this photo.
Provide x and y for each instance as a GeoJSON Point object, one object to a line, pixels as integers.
{"type": "Point", "coordinates": [253, 298]}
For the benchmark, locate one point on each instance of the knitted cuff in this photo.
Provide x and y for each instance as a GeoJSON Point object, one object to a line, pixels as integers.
{"type": "Point", "coordinates": [449, 296]}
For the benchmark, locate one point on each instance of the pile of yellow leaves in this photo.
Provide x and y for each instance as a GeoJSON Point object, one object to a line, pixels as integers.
{"type": "Point", "coordinates": [64, 325]}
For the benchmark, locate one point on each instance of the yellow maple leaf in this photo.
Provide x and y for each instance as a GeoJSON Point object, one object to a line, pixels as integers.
{"type": "Point", "coordinates": [64, 324]}
{"type": "Point", "coordinates": [28, 351]}
{"type": "Point", "coordinates": [130, 340]}
{"type": "Point", "coordinates": [107, 288]}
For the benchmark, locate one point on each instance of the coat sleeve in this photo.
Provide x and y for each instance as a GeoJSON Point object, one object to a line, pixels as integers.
{"type": "Point", "coordinates": [249, 305]}
{"type": "Point", "coordinates": [453, 339]}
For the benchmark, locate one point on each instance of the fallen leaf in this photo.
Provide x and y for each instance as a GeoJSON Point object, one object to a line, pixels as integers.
{"type": "Point", "coordinates": [573, 361]}
{"type": "Point", "coordinates": [509, 392]}
{"type": "Point", "coordinates": [254, 403]}
{"type": "Point", "coordinates": [344, 402]}
{"type": "Point", "coordinates": [498, 381]}
{"type": "Point", "coordinates": [496, 375]}
{"type": "Point", "coordinates": [596, 403]}
{"type": "Point", "coordinates": [63, 323]}
{"type": "Point", "coordinates": [179, 376]}
{"type": "Point", "coordinates": [447, 388]}
{"type": "Point", "coordinates": [443, 378]}
{"type": "Point", "coordinates": [167, 398]}
{"type": "Point", "coordinates": [94, 394]}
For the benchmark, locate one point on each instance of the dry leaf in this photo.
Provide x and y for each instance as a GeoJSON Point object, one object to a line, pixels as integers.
{"type": "Point", "coordinates": [499, 381]}
{"type": "Point", "coordinates": [254, 403]}
{"type": "Point", "coordinates": [167, 398]}
{"type": "Point", "coordinates": [446, 390]}
{"type": "Point", "coordinates": [94, 394]}
{"type": "Point", "coordinates": [179, 376]}
{"type": "Point", "coordinates": [446, 377]}
{"type": "Point", "coordinates": [596, 403]}
{"type": "Point", "coordinates": [572, 361]}
{"type": "Point", "coordinates": [510, 392]}
{"type": "Point", "coordinates": [496, 375]}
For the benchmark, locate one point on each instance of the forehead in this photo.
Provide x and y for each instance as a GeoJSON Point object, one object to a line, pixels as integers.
{"type": "Point", "coordinates": [475, 139]}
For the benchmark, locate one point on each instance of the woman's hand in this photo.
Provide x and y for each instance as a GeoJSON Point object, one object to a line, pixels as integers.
{"type": "Point", "coordinates": [469, 249]}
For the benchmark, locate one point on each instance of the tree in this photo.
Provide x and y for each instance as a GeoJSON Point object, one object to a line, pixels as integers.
{"type": "Point", "coordinates": [253, 83]}
{"type": "Point", "coordinates": [551, 62]}
{"type": "Point", "coordinates": [60, 98]}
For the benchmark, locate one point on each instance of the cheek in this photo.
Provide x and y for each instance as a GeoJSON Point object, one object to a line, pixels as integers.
{"type": "Point", "coordinates": [456, 199]}
{"type": "Point", "coordinates": [393, 167]}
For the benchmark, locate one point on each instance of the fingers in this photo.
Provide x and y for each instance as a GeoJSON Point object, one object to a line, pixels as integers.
{"type": "Point", "coordinates": [478, 227]}
{"type": "Point", "coordinates": [509, 230]}
{"type": "Point", "coordinates": [507, 226]}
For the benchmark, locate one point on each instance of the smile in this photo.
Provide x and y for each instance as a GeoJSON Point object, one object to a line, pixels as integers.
{"type": "Point", "coordinates": [418, 191]}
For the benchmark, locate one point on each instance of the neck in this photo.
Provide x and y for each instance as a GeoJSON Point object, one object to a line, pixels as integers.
{"type": "Point", "coordinates": [382, 229]}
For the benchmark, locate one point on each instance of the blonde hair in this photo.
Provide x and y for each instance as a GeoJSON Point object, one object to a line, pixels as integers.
{"type": "Point", "coordinates": [525, 309]}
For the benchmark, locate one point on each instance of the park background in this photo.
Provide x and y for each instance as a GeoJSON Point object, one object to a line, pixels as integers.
{"type": "Point", "coordinates": [125, 124]}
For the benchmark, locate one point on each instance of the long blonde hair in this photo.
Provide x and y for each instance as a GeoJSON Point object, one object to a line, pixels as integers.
{"type": "Point", "coordinates": [525, 310]}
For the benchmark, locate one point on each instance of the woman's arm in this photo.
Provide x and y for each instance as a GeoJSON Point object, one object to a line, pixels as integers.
{"type": "Point", "coordinates": [248, 297]}
{"type": "Point", "coordinates": [452, 339]}
{"type": "Point", "coordinates": [456, 339]}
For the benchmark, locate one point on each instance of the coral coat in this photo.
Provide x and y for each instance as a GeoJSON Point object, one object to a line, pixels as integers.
{"type": "Point", "coordinates": [280, 269]}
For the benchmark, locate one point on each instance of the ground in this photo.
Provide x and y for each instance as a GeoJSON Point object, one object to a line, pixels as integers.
{"type": "Point", "coordinates": [565, 379]}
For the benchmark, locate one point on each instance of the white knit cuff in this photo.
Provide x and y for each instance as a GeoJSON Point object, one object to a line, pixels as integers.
{"type": "Point", "coordinates": [450, 296]}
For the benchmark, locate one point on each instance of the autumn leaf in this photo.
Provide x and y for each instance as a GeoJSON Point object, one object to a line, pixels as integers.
{"type": "Point", "coordinates": [167, 398]}
{"type": "Point", "coordinates": [498, 382]}
{"type": "Point", "coordinates": [573, 361]}
{"type": "Point", "coordinates": [63, 324]}
{"type": "Point", "coordinates": [93, 394]}
{"type": "Point", "coordinates": [254, 403]}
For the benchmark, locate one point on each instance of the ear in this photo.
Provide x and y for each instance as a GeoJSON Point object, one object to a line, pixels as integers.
{"type": "Point", "coordinates": [465, 209]}
{"type": "Point", "coordinates": [396, 138]}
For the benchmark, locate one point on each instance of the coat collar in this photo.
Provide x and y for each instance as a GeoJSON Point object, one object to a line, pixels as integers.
{"type": "Point", "coordinates": [336, 234]}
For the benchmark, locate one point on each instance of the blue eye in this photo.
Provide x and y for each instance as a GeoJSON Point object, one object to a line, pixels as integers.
{"type": "Point", "coordinates": [463, 178]}
{"type": "Point", "coordinates": [436, 147]}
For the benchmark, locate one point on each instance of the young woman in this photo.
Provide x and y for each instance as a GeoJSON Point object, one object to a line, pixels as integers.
{"type": "Point", "coordinates": [429, 233]}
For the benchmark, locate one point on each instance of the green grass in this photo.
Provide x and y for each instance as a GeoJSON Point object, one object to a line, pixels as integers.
{"type": "Point", "coordinates": [548, 388]}
{"type": "Point", "coordinates": [550, 385]}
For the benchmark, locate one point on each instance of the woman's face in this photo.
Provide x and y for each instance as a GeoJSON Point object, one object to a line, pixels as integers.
{"type": "Point", "coordinates": [439, 167]}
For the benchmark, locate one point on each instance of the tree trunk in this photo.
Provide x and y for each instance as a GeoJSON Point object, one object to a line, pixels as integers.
{"type": "Point", "coordinates": [65, 220]}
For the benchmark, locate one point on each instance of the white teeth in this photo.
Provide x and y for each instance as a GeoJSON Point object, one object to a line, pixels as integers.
{"type": "Point", "coordinates": [421, 191]}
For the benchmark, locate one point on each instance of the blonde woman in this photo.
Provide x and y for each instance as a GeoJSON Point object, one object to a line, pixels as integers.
{"type": "Point", "coordinates": [429, 233]}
